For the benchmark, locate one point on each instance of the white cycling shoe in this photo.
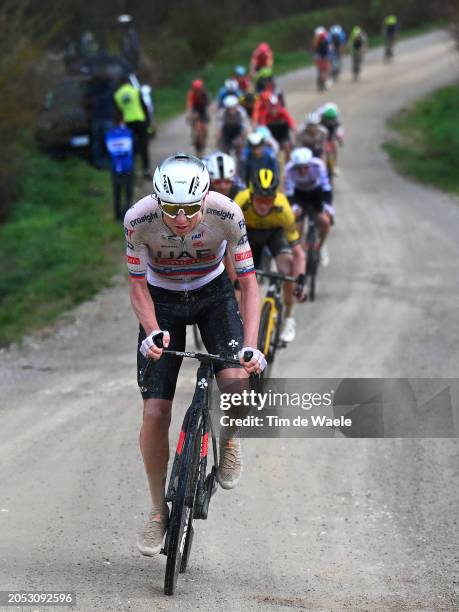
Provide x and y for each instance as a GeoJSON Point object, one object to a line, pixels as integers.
{"type": "Point", "coordinates": [230, 464]}
{"type": "Point", "coordinates": [324, 256]}
{"type": "Point", "coordinates": [150, 541]}
{"type": "Point", "coordinates": [289, 330]}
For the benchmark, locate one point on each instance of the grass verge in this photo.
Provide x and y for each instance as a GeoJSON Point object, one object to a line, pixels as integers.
{"type": "Point", "coordinates": [425, 141]}
{"type": "Point", "coordinates": [60, 245]}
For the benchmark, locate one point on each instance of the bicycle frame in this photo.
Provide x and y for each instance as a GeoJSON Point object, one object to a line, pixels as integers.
{"type": "Point", "coordinates": [268, 337]}
{"type": "Point", "coordinates": [199, 403]}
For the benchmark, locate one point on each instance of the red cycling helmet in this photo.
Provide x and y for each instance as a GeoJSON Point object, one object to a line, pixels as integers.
{"type": "Point", "coordinates": [197, 84]}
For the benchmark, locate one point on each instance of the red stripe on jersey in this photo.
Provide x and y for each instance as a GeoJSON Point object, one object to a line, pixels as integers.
{"type": "Point", "coordinates": [242, 256]}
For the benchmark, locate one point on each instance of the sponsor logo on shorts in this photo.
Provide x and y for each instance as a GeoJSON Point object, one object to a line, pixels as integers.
{"type": "Point", "coordinates": [145, 219]}
{"type": "Point", "coordinates": [133, 260]}
{"type": "Point", "coordinates": [220, 213]}
{"type": "Point", "coordinates": [243, 240]}
{"type": "Point", "coordinates": [130, 245]}
{"type": "Point", "coordinates": [128, 232]}
{"type": "Point", "coordinates": [243, 256]}
{"type": "Point", "coordinates": [241, 224]}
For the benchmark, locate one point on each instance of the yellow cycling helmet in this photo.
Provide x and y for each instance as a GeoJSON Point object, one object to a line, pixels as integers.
{"type": "Point", "coordinates": [265, 182]}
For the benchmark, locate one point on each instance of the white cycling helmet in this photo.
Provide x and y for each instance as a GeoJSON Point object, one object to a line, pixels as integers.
{"type": "Point", "coordinates": [181, 179]}
{"type": "Point", "coordinates": [220, 165]}
{"type": "Point", "coordinates": [312, 118]}
{"type": "Point", "coordinates": [230, 101]}
{"type": "Point", "coordinates": [231, 85]}
{"type": "Point", "coordinates": [264, 131]}
{"type": "Point", "coordinates": [255, 139]}
{"type": "Point", "coordinates": [301, 156]}
{"type": "Point", "coordinates": [319, 30]}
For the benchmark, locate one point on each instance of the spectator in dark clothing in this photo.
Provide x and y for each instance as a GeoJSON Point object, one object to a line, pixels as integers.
{"type": "Point", "coordinates": [102, 111]}
{"type": "Point", "coordinates": [120, 144]}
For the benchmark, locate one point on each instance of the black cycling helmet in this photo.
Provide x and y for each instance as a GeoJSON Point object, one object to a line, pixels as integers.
{"type": "Point", "coordinates": [265, 182]}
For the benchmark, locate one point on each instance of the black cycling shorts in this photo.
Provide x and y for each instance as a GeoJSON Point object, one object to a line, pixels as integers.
{"type": "Point", "coordinates": [213, 308]}
{"type": "Point", "coordinates": [310, 201]}
{"type": "Point", "coordinates": [280, 130]}
{"type": "Point", "coordinates": [274, 239]}
{"type": "Point", "coordinates": [231, 131]}
{"type": "Point", "coordinates": [201, 113]}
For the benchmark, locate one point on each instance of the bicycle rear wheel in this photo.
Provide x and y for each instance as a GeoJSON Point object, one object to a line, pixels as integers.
{"type": "Point", "coordinates": [182, 507]}
{"type": "Point", "coordinates": [311, 271]}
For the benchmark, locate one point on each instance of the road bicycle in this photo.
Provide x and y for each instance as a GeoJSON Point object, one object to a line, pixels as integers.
{"type": "Point", "coordinates": [323, 73]}
{"type": "Point", "coordinates": [389, 49]}
{"type": "Point", "coordinates": [357, 59]}
{"type": "Point", "coordinates": [335, 65]}
{"type": "Point", "coordinates": [190, 486]}
{"type": "Point", "coordinates": [312, 247]}
{"type": "Point", "coordinates": [271, 318]}
{"type": "Point", "coordinates": [198, 134]}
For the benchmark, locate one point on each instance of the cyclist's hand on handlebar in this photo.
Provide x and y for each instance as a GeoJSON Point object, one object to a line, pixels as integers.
{"type": "Point", "coordinates": [154, 348]}
{"type": "Point", "coordinates": [257, 363]}
{"type": "Point", "coordinates": [297, 210]}
{"type": "Point", "coordinates": [300, 291]}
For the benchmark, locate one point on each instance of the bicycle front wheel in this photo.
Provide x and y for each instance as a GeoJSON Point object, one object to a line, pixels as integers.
{"type": "Point", "coordinates": [180, 530]}
{"type": "Point", "coordinates": [265, 335]}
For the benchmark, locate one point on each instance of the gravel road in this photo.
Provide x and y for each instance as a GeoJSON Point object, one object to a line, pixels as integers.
{"type": "Point", "coordinates": [316, 524]}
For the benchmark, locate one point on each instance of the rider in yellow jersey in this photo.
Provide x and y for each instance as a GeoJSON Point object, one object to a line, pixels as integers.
{"type": "Point", "coordinates": [270, 222]}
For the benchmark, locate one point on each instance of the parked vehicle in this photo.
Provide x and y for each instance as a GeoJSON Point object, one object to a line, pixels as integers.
{"type": "Point", "coordinates": [65, 120]}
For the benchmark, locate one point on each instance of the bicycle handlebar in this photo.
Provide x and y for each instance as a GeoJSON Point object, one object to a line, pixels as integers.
{"type": "Point", "coordinates": [202, 357]}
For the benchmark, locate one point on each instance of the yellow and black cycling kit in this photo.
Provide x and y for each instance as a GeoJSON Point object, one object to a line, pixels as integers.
{"type": "Point", "coordinates": [281, 215]}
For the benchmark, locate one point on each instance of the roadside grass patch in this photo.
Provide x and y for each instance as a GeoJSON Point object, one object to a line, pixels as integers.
{"type": "Point", "coordinates": [60, 245]}
{"type": "Point", "coordinates": [424, 141]}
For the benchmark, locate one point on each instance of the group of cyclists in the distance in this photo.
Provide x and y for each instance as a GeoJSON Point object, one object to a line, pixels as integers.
{"type": "Point", "coordinates": [278, 172]}
{"type": "Point", "coordinates": [329, 46]}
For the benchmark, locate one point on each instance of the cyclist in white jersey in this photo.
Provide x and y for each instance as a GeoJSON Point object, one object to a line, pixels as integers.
{"type": "Point", "coordinates": [175, 240]}
{"type": "Point", "coordinates": [307, 186]}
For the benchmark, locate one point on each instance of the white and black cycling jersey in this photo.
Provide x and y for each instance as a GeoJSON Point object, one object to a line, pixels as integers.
{"type": "Point", "coordinates": [189, 262]}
